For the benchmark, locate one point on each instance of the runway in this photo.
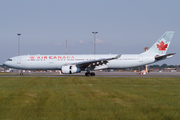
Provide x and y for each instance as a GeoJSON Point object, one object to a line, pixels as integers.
{"type": "Point", "coordinates": [98, 74]}
{"type": "Point", "coordinates": [134, 74]}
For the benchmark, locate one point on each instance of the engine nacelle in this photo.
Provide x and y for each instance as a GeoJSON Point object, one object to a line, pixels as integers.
{"type": "Point", "coordinates": [70, 69]}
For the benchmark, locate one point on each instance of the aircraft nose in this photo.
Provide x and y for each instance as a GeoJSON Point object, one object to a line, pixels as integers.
{"type": "Point", "coordinates": [4, 64]}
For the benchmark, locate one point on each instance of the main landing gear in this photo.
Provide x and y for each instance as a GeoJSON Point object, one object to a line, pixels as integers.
{"type": "Point", "coordinates": [90, 74]}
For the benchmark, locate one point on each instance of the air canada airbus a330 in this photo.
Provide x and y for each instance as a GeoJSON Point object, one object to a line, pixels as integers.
{"type": "Point", "coordinates": [70, 64]}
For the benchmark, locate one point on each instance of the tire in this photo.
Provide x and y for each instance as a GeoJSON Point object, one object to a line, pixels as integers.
{"type": "Point", "coordinates": [92, 74]}
{"type": "Point", "coordinates": [87, 74]}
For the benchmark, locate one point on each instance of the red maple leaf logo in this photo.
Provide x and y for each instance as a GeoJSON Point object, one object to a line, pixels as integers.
{"type": "Point", "coordinates": [162, 46]}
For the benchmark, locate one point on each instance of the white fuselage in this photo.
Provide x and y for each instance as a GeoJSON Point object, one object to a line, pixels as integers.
{"type": "Point", "coordinates": [55, 62]}
{"type": "Point", "coordinates": [70, 64]}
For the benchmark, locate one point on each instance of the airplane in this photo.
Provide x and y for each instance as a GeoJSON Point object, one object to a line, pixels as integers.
{"type": "Point", "coordinates": [70, 64]}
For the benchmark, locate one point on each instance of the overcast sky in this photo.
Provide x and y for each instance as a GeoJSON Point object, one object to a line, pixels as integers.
{"type": "Point", "coordinates": [123, 26]}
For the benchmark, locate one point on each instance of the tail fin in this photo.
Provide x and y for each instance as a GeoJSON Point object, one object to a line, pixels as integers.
{"type": "Point", "coordinates": [162, 44]}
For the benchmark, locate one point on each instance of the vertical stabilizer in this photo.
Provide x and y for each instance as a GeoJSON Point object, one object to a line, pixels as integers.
{"type": "Point", "coordinates": [162, 44]}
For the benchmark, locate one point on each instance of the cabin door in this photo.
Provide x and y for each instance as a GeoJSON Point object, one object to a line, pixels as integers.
{"type": "Point", "coordinates": [18, 60]}
{"type": "Point", "coordinates": [140, 58]}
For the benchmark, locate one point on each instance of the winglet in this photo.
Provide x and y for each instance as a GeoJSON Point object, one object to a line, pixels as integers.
{"type": "Point", "coordinates": [118, 56]}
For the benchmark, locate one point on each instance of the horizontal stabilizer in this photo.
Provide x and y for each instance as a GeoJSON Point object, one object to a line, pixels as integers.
{"type": "Point", "coordinates": [164, 56]}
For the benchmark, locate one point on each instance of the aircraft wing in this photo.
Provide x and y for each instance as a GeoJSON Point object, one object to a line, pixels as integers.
{"type": "Point", "coordinates": [93, 63]}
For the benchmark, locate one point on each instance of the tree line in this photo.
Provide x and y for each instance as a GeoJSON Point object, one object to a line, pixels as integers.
{"type": "Point", "coordinates": [163, 66]}
{"type": "Point", "coordinates": [154, 67]}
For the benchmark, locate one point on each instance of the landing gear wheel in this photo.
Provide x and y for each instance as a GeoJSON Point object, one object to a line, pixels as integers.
{"type": "Point", "coordinates": [21, 74]}
{"type": "Point", "coordinates": [87, 74]}
{"type": "Point", "coordinates": [93, 74]}
{"type": "Point", "coordinates": [90, 74]}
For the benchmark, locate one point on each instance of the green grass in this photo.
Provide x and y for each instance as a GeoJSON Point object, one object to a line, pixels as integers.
{"type": "Point", "coordinates": [89, 98]}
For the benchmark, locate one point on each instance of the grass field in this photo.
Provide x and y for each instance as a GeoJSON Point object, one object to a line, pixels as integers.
{"type": "Point", "coordinates": [89, 98]}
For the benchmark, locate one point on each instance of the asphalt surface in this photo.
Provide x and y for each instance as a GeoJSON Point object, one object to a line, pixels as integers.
{"type": "Point", "coordinates": [98, 74]}
{"type": "Point", "coordinates": [134, 74]}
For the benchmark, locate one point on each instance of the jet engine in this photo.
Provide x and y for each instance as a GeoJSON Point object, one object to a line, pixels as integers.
{"type": "Point", "coordinates": [70, 69]}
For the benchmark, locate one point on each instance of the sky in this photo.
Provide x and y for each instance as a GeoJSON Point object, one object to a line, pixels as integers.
{"type": "Point", "coordinates": [123, 26]}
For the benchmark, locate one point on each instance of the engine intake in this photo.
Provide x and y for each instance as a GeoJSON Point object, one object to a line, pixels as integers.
{"type": "Point", "coordinates": [70, 69]}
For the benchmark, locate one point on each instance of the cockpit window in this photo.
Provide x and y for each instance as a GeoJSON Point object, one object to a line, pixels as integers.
{"type": "Point", "coordinates": [9, 60]}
